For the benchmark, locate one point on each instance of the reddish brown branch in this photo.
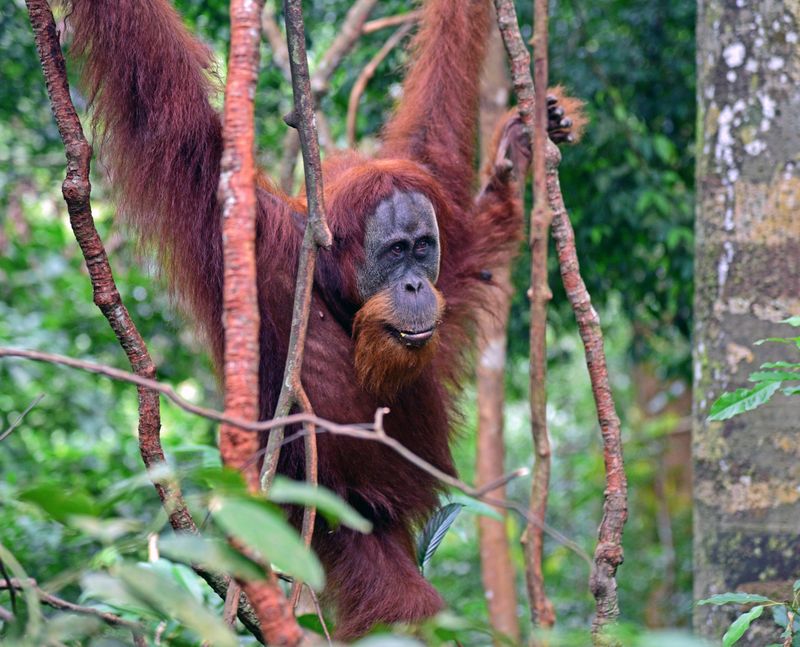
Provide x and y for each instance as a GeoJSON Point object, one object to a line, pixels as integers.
{"type": "Point", "coordinates": [366, 74]}
{"type": "Point", "coordinates": [541, 607]}
{"type": "Point", "coordinates": [56, 602]}
{"type": "Point", "coordinates": [608, 554]}
{"type": "Point", "coordinates": [241, 319]}
{"type": "Point", "coordinates": [498, 572]}
{"type": "Point", "coordinates": [77, 192]}
{"type": "Point", "coordinates": [534, 116]}
{"type": "Point", "coordinates": [348, 35]}
{"type": "Point", "coordinates": [390, 21]}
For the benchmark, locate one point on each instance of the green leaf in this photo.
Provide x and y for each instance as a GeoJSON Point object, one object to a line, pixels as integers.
{"type": "Point", "coordinates": [434, 531]}
{"type": "Point", "coordinates": [311, 622]}
{"type": "Point", "coordinates": [795, 366]}
{"type": "Point", "coordinates": [778, 340]}
{"type": "Point", "coordinates": [740, 625]}
{"type": "Point", "coordinates": [175, 603]}
{"type": "Point", "coordinates": [741, 400]}
{"type": "Point", "coordinates": [222, 479]}
{"type": "Point", "coordinates": [791, 390]}
{"type": "Point", "coordinates": [793, 321]}
{"type": "Point", "coordinates": [59, 503]}
{"type": "Point", "coordinates": [269, 535]}
{"type": "Point", "coordinates": [734, 598]}
{"type": "Point", "coordinates": [213, 554]}
{"type": "Point", "coordinates": [773, 376]}
{"type": "Point", "coordinates": [334, 508]}
{"type": "Point", "coordinates": [796, 587]}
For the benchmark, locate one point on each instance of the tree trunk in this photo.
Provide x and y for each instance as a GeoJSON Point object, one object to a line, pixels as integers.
{"type": "Point", "coordinates": [746, 470]}
{"type": "Point", "coordinates": [497, 571]}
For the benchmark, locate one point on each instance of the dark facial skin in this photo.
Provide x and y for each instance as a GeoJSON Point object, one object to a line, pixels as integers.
{"type": "Point", "coordinates": [402, 255]}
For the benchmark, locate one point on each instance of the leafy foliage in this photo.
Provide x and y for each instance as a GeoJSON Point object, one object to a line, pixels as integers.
{"type": "Point", "coordinates": [434, 531]}
{"type": "Point", "coordinates": [768, 381]}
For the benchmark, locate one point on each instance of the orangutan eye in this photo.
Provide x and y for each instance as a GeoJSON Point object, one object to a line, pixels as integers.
{"type": "Point", "coordinates": [421, 247]}
{"type": "Point", "coordinates": [397, 249]}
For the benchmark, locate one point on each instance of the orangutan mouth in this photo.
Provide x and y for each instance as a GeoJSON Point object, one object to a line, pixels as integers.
{"type": "Point", "coordinates": [413, 338]}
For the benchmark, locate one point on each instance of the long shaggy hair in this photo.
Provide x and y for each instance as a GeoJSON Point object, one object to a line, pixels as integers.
{"type": "Point", "coordinates": [384, 365]}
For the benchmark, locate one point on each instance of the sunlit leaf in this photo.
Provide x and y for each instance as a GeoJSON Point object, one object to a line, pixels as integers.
{"type": "Point", "coordinates": [781, 364]}
{"type": "Point", "coordinates": [792, 321]}
{"type": "Point", "coordinates": [212, 554]}
{"type": "Point", "coordinates": [734, 598]}
{"type": "Point", "coordinates": [58, 502]}
{"type": "Point", "coordinates": [335, 509]}
{"type": "Point", "coordinates": [434, 531]}
{"type": "Point", "coordinates": [773, 376]}
{"type": "Point", "coordinates": [740, 626]}
{"type": "Point", "coordinates": [741, 400]}
{"type": "Point", "coordinates": [269, 535]}
{"type": "Point", "coordinates": [176, 603]}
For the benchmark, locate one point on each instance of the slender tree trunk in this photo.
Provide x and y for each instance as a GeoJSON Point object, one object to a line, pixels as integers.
{"type": "Point", "coordinates": [747, 479]}
{"type": "Point", "coordinates": [497, 571]}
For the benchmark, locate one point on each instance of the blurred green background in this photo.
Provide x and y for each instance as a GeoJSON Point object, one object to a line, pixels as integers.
{"type": "Point", "coordinates": [629, 188]}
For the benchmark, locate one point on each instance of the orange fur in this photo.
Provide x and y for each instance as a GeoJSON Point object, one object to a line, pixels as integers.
{"type": "Point", "coordinates": [383, 364]}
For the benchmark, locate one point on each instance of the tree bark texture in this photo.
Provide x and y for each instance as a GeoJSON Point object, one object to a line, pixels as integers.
{"type": "Point", "coordinates": [747, 469]}
{"type": "Point", "coordinates": [497, 570]}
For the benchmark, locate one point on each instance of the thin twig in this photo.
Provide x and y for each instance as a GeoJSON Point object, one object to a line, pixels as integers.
{"type": "Point", "coordinates": [608, 553]}
{"type": "Point", "coordinates": [320, 615]}
{"type": "Point", "coordinates": [241, 318]}
{"type": "Point", "coordinates": [231, 603]}
{"type": "Point", "coordinates": [347, 36]}
{"type": "Point", "coordinates": [65, 605]}
{"type": "Point", "coordinates": [316, 233]}
{"type": "Point", "coordinates": [312, 478]}
{"type": "Point", "coordinates": [20, 417]}
{"type": "Point", "coordinates": [541, 215]}
{"type": "Point", "coordinates": [390, 21]}
{"type": "Point", "coordinates": [366, 74]}
{"type": "Point", "coordinates": [361, 431]}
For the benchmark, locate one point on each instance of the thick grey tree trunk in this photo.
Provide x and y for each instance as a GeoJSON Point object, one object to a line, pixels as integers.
{"type": "Point", "coordinates": [746, 470]}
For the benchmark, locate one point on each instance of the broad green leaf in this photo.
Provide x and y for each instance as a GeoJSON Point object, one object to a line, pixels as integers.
{"type": "Point", "coordinates": [740, 625]}
{"type": "Point", "coordinates": [102, 587]}
{"type": "Point", "coordinates": [741, 400]}
{"type": "Point", "coordinates": [335, 509]}
{"type": "Point", "coordinates": [269, 535]}
{"type": "Point", "coordinates": [773, 376]}
{"type": "Point", "coordinates": [222, 479]}
{"type": "Point", "coordinates": [311, 622]}
{"type": "Point", "coordinates": [212, 554]}
{"type": "Point", "coordinates": [58, 502]}
{"type": "Point", "coordinates": [434, 531]}
{"type": "Point", "coordinates": [176, 603]}
{"type": "Point", "coordinates": [734, 598]}
{"type": "Point", "coordinates": [793, 321]}
{"type": "Point", "coordinates": [791, 390]}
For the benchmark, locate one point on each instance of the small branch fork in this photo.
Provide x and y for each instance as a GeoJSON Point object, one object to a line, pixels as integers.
{"type": "Point", "coordinates": [76, 189]}
{"type": "Point", "coordinates": [608, 553]}
{"type": "Point", "coordinates": [349, 33]}
{"type": "Point", "coordinates": [316, 235]}
{"type": "Point", "coordinates": [241, 320]}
